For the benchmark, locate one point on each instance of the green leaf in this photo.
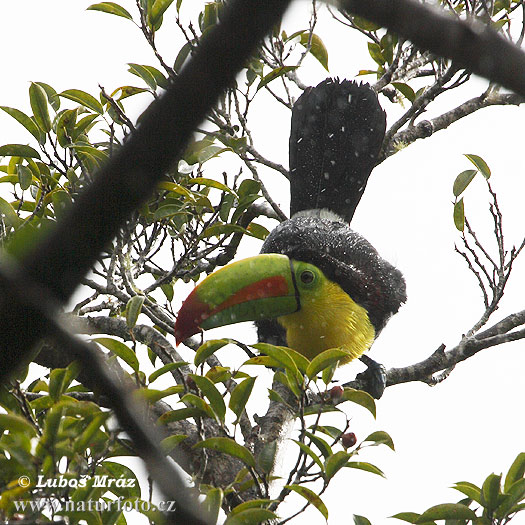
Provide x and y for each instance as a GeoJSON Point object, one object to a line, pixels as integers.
{"type": "Point", "coordinates": [248, 187]}
{"type": "Point", "coordinates": [462, 181]}
{"type": "Point", "coordinates": [15, 424]}
{"type": "Point", "coordinates": [128, 91]}
{"type": "Point", "coordinates": [516, 471]}
{"type": "Point", "coordinates": [83, 441]}
{"type": "Point", "coordinates": [367, 467]}
{"type": "Point", "coordinates": [175, 188]}
{"type": "Point", "coordinates": [8, 213]}
{"type": "Point", "coordinates": [215, 230]}
{"type": "Point", "coordinates": [250, 517]}
{"type": "Point", "coordinates": [380, 437]}
{"type": "Point", "coordinates": [210, 183]}
{"type": "Point", "coordinates": [84, 124]}
{"type": "Point", "coordinates": [375, 52]}
{"type": "Point", "coordinates": [38, 100]}
{"type": "Point", "coordinates": [281, 355]}
{"type": "Point", "coordinates": [121, 350]}
{"type": "Point", "coordinates": [365, 24]}
{"type": "Point", "coordinates": [335, 462]}
{"type": "Point", "coordinates": [111, 8]}
{"type": "Point", "coordinates": [57, 383]}
{"type": "Point", "coordinates": [212, 504]}
{"type": "Point", "coordinates": [507, 502]}
{"type": "Point", "coordinates": [194, 401]}
{"type": "Point", "coordinates": [144, 74]}
{"type": "Point", "coordinates": [405, 90]}
{"type": "Point", "coordinates": [317, 48]}
{"type": "Point", "coordinates": [164, 369]}
{"type": "Point", "coordinates": [158, 8]}
{"type": "Point", "coordinates": [160, 79]}
{"type": "Point", "coordinates": [361, 398]}
{"type": "Point", "coordinates": [214, 396]}
{"type": "Point", "coordinates": [459, 215]}
{"type": "Point", "coordinates": [182, 56]}
{"type": "Point", "coordinates": [361, 520]}
{"type": "Point", "coordinates": [469, 489]}
{"type": "Point", "coordinates": [167, 290]}
{"type": "Point", "coordinates": [310, 453]}
{"type": "Point", "coordinates": [152, 395]}
{"type": "Point", "coordinates": [323, 360]}
{"type": "Point", "coordinates": [250, 504]}
{"type": "Point", "coordinates": [230, 447]}
{"type": "Point", "coordinates": [410, 517]}
{"type": "Point", "coordinates": [321, 444]}
{"type": "Point", "coordinates": [208, 348]}
{"type": "Point", "coordinates": [240, 395]}
{"type": "Point", "coordinates": [266, 457]}
{"type": "Point", "coordinates": [219, 374]}
{"type": "Point", "coordinates": [275, 73]}
{"type": "Point", "coordinates": [311, 497]}
{"type": "Point", "coordinates": [61, 202]}
{"type": "Point", "coordinates": [23, 119]}
{"type": "Point", "coordinates": [52, 96]}
{"type": "Point", "coordinates": [274, 396]}
{"type": "Point", "coordinates": [169, 443]}
{"type": "Point", "coordinates": [81, 97]}
{"type": "Point", "coordinates": [19, 150]}
{"type": "Point", "coordinates": [258, 231]}
{"type": "Point", "coordinates": [25, 176]}
{"type": "Point", "coordinates": [169, 210]}
{"type": "Point", "coordinates": [262, 360]}
{"type": "Point", "coordinates": [333, 432]}
{"type": "Point", "coordinates": [119, 471]}
{"type": "Point", "coordinates": [180, 414]}
{"type": "Point", "coordinates": [480, 164]}
{"type": "Point", "coordinates": [447, 511]}
{"type": "Point", "coordinates": [133, 309]}
{"type": "Point", "coordinates": [490, 491]}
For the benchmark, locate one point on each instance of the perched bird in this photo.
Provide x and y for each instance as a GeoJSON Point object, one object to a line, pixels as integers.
{"type": "Point", "coordinates": [317, 284]}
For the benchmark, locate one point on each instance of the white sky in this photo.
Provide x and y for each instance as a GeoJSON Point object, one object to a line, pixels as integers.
{"type": "Point", "coordinates": [463, 429]}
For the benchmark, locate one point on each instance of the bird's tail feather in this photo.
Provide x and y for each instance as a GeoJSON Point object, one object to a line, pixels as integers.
{"type": "Point", "coordinates": [336, 135]}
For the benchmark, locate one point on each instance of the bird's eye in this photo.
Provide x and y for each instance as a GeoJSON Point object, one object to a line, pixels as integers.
{"type": "Point", "coordinates": [307, 277]}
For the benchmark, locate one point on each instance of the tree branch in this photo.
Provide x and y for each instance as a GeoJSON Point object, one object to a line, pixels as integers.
{"type": "Point", "coordinates": [426, 128]}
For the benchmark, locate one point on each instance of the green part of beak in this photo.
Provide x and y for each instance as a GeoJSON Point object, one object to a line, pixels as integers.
{"type": "Point", "coordinates": [259, 287]}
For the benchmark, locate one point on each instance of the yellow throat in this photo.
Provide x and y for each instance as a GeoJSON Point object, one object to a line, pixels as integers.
{"type": "Point", "coordinates": [328, 318]}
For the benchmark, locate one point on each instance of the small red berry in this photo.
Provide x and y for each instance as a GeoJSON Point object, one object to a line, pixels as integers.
{"type": "Point", "coordinates": [348, 440]}
{"type": "Point", "coordinates": [336, 393]}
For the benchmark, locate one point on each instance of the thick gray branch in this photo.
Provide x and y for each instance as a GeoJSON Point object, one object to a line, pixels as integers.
{"type": "Point", "coordinates": [426, 127]}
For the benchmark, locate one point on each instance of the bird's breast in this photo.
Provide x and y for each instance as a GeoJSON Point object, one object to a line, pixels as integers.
{"type": "Point", "coordinates": [328, 319]}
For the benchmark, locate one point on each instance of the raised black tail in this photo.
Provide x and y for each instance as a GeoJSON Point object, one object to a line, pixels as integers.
{"type": "Point", "coordinates": [336, 135]}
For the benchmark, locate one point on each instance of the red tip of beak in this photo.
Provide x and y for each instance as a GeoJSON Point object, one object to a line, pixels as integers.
{"type": "Point", "coordinates": [192, 313]}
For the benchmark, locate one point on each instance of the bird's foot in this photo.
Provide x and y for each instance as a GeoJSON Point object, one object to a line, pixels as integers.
{"type": "Point", "coordinates": [373, 379]}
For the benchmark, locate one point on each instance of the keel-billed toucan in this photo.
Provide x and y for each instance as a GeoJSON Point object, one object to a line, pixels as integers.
{"type": "Point", "coordinates": [317, 284]}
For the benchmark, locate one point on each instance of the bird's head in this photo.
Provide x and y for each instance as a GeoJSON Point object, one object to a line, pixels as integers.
{"type": "Point", "coordinates": [323, 282]}
{"type": "Point", "coordinates": [266, 286]}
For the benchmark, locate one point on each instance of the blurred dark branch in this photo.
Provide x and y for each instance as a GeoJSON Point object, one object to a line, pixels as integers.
{"type": "Point", "coordinates": [471, 45]}
{"type": "Point", "coordinates": [48, 274]}
{"type": "Point", "coordinates": [31, 299]}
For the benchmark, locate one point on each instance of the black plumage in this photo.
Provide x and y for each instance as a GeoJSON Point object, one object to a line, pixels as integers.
{"type": "Point", "coordinates": [336, 135]}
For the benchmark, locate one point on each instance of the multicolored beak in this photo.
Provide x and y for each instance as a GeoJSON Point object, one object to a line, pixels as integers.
{"type": "Point", "coordinates": [259, 287]}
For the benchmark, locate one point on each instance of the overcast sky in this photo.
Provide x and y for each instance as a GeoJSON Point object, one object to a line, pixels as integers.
{"type": "Point", "coordinates": [463, 429]}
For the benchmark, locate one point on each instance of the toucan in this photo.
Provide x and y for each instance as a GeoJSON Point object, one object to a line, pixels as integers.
{"type": "Point", "coordinates": [317, 284]}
